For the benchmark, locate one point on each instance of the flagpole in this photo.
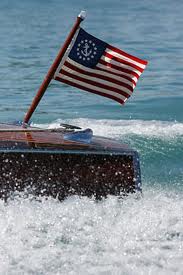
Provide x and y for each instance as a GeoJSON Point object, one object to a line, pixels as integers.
{"type": "Point", "coordinates": [53, 68]}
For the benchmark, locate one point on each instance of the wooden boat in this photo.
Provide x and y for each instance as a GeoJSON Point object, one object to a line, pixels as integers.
{"type": "Point", "coordinates": [65, 161]}
{"type": "Point", "coordinates": [69, 160]}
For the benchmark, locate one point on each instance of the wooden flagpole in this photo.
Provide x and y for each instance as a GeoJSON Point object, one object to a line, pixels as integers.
{"type": "Point", "coordinates": [53, 68]}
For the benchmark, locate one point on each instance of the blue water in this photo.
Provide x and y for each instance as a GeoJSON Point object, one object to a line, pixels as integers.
{"type": "Point", "coordinates": [79, 236]}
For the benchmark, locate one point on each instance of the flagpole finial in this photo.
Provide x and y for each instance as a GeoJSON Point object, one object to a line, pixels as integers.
{"type": "Point", "coordinates": [82, 15]}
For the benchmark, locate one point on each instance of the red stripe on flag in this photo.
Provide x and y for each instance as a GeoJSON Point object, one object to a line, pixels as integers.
{"type": "Point", "coordinates": [121, 61]}
{"type": "Point", "coordinates": [109, 79]}
{"type": "Point", "coordinates": [116, 74]}
{"type": "Point", "coordinates": [144, 62]}
{"type": "Point", "coordinates": [95, 84]}
{"type": "Point", "coordinates": [89, 90]}
{"type": "Point", "coordinates": [109, 65]}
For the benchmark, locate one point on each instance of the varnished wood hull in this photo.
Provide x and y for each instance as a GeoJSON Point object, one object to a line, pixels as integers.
{"type": "Point", "coordinates": [97, 169]}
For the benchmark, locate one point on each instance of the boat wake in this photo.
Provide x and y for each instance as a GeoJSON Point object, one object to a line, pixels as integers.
{"type": "Point", "coordinates": [81, 236]}
{"type": "Point", "coordinates": [119, 128]}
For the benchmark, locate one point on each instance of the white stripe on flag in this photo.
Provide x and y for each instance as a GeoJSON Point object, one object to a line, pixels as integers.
{"type": "Point", "coordinates": [97, 80]}
{"type": "Point", "coordinates": [108, 74]}
{"type": "Point", "coordinates": [86, 85]}
{"type": "Point", "coordinates": [125, 58]}
{"type": "Point", "coordinates": [121, 65]}
{"type": "Point", "coordinates": [103, 67]}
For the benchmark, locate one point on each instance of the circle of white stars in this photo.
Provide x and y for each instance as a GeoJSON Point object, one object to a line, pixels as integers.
{"type": "Point", "coordinates": [93, 49]}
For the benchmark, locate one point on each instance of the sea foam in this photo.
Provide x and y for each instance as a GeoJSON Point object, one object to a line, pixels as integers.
{"type": "Point", "coordinates": [119, 128]}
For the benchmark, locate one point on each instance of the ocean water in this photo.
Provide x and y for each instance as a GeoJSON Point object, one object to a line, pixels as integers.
{"type": "Point", "coordinates": [80, 236]}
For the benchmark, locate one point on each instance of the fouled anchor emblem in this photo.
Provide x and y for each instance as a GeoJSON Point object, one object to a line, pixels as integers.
{"type": "Point", "coordinates": [86, 52]}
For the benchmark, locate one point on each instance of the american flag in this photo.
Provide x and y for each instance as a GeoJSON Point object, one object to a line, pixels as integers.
{"type": "Point", "coordinates": [97, 67]}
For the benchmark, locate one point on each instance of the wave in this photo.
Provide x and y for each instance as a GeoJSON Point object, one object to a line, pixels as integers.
{"type": "Point", "coordinates": [138, 236]}
{"type": "Point", "coordinates": [119, 128]}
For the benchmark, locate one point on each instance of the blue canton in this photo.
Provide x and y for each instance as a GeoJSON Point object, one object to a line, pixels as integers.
{"type": "Point", "coordinates": [87, 49]}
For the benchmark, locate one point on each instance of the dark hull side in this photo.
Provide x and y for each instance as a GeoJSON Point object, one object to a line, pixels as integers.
{"type": "Point", "coordinates": [63, 174]}
{"type": "Point", "coordinates": [44, 163]}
